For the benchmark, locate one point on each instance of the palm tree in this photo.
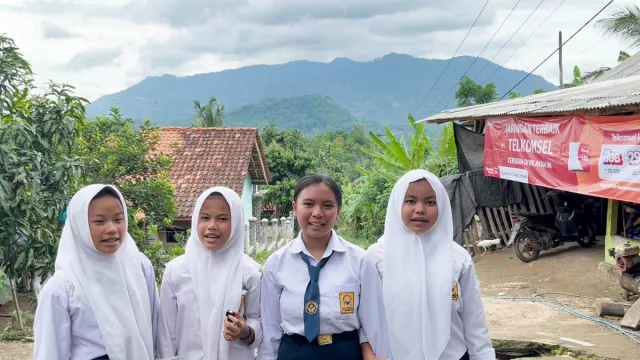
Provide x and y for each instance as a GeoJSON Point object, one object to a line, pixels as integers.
{"type": "Point", "coordinates": [625, 24]}
{"type": "Point", "coordinates": [210, 114]}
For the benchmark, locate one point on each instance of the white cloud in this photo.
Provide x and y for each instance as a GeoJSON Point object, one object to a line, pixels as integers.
{"type": "Point", "coordinates": [102, 47]}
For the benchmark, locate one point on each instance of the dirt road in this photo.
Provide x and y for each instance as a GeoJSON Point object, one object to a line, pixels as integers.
{"type": "Point", "coordinates": [568, 270]}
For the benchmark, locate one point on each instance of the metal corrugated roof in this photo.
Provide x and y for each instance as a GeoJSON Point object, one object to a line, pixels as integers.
{"type": "Point", "coordinates": [627, 68]}
{"type": "Point", "coordinates": [597, 95]}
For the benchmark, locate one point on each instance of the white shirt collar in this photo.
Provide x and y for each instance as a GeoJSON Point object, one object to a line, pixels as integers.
{"type": "Point", "coordinates": [335, 244]}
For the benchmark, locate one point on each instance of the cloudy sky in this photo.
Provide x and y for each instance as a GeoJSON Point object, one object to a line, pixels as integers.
{"type": "Point", "coordinates": [105, 46]}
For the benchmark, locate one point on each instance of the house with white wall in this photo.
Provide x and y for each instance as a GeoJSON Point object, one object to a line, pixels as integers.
{"type": "Point", "coordinates": [206, 157]}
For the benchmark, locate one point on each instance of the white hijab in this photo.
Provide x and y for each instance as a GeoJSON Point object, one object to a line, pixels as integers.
{"type": "Point", "coordinates": [418, 276]}
{"type": "Point", "coordinates": [217, 275]}
{"type": "Point", "coordinates": [114, 285]}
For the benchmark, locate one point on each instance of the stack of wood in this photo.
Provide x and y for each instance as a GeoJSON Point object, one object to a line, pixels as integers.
{"type": "Point", "coordinates": [630, 315]}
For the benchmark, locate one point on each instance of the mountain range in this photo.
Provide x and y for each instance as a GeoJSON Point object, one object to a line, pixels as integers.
{"type": "Point", "coordinates": [315, 96]}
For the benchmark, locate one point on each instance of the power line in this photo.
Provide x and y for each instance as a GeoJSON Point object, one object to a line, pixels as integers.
{"type": "Point", "coordinates": [508, 41]}
{"type": "Point", "coordinates": [477, 57]}
{"type": "Point", "coordinates": [556, 50]}
{"type": "Point", "coordinates": [592, 46]}
{"type": "Point", "coordinates": [525, 41]}
{"type": "Point", "coordinates": [454, 55]}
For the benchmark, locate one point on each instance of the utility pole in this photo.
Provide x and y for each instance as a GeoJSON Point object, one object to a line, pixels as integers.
{"type": "Point", "coordinates": [151, 103]}
{"type": "Point", "coordinates": [560, 58]}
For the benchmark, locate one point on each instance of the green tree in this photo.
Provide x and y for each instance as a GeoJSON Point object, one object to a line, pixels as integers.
{"type": "Point", "coordinates": [471, 93]}
{"type": "Point", "coordinates": [514, 95]}
{"type": "Point", "coordinates": [39, 165]}
{"type": "Point", "coordinates": [289, 158]}
{"type": "Point", "coordinates": [624, 23]}
{"type": "Point", "coordinates": [115, 152]}
{"type": "Point", "coordinates": [210, 114]}
{"type": "Point", "coordinates": [539, 91]}
{"type": "Point", "coordinates": [365, 205]}
{"type": "Point", "coordinates": [337, 153]}
{"type": "Point", "coordinates": [393, 158]}
{"type": "Point", "coordinates": [366, 198]}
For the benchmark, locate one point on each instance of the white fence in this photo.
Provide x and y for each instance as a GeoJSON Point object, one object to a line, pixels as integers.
{"type": "Point", "coordinates": [265, 235]}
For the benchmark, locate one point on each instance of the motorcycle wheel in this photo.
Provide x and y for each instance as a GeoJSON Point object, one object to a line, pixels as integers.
{"type": "Point", "coordinates": [523, 251]}
{"type": "Point", "coordinates": [587, 237]}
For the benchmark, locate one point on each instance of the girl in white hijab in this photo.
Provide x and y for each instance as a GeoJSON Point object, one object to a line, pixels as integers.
{"type": "Point", "coordinates": [214, 276]}
{"type": "Point", "coordinates": [102, 301]}
{"type": "Point", "coordinates": [431, 292]}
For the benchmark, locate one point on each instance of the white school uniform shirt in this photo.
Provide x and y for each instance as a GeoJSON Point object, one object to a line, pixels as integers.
{"type": "Point", "coordinates": [469, 331]}
{"type": "Point", "coordinates": [65, 327]}
{"type": "Point", "coordinates": [284, 281]}
{"type": "Point", "coordinates": [180, 309]}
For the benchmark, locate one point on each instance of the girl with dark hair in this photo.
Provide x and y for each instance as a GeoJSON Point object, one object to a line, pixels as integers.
{"type": "Point", "coordinates": [311, 302]}
{"type": "Point", "coordinates": [102, 301]}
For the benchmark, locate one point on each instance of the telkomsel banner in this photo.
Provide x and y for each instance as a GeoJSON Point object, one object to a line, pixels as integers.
{"type": "Point", "coordinates": [592, 155]}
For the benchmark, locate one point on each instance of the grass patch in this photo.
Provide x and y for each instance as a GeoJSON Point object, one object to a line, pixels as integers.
{"type": "Point", "coordinates": [261, 257]}
{"type": "Point", "coordinates": [25, 335]}
{"type": "Point", "coordinates": [353, 238]}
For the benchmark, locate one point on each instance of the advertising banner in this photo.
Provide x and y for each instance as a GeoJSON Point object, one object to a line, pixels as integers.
{"type": "Point", "coordinates": [591, 155]}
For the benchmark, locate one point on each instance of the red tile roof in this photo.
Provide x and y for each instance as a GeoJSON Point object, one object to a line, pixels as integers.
{"type": "Point", "coordinates": [206, 157]}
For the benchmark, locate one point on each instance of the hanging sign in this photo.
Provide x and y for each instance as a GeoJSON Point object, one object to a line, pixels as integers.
{"type": "Point", "coordinates": [592, 155]}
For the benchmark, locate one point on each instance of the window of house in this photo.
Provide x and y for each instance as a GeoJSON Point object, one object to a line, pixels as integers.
{"type": "Point", "coordinates": [172, 235]}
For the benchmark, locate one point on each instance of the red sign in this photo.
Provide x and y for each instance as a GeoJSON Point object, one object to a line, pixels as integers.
{"type": "Point", "coordinates": [592, 155]}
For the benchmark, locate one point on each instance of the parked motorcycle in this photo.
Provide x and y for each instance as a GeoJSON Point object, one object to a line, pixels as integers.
{"type": "Point", "coordinates": [532, 233]}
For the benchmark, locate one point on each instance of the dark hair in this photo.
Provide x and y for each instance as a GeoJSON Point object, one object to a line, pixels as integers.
{"type": "Point", "coordinates": [106, 191]}
{"type": "Point", "coordinates": [316, 179]}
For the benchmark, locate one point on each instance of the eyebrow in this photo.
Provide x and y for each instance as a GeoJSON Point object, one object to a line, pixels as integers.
{"type": "Point", "coordinates": [207, 214]}
{"type": "Point", "coordinates": [103, 215]}
{"type": "Point", "coordinates": [324, 201]}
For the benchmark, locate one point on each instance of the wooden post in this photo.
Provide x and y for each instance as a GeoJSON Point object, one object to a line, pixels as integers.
{"type": "Point", "coordinates": [606, 307]}
{"type": "Point", "coordinates": [560, 58]}
{"type": "Point", "coordinates": [631, 319]}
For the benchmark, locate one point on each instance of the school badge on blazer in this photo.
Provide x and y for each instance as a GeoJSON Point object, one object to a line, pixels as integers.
{"type": "Point", "coordinates": [347, 302]}
{"type": "Point", "coordinates": [311, 307]}
{"type": "Point", "coordinates": [455, 292]}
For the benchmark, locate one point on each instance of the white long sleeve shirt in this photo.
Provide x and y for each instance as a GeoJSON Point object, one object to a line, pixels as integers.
{"type": "Point", "coordinates": [65, 327]}
{"type": "Point", "coordinates": [469, 330]}
{"type": "Point", "coordinates": [180, 309]}
{"type": "Point", "coordinates": [284, 283]}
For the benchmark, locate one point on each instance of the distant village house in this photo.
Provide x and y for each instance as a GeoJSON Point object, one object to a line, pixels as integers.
{"type": "Point", "coordinates": [207, 157]}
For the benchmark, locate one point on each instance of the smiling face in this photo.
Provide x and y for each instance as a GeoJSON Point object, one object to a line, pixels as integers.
{"type": "Point", "coordinates": [316, 209]}
{"type": "Point", "coordinates": [107, 223]}
{"type": "Point", "coordinates": [420, 208]}
{"type": "Point", "coordinates": [214, 222]}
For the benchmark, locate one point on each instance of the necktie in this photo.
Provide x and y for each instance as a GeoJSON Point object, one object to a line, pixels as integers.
{"type": "Point", "coordinates": [312, 299]}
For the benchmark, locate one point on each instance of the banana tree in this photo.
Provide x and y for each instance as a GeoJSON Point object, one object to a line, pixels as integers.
{"type": "Point", "coordinates": [394, 157]}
